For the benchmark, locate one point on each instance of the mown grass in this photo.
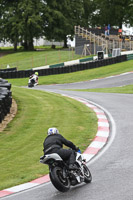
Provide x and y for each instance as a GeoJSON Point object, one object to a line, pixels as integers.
{"type": "Point", "coordinates": [21, 142]}
{"type": "Point", "coordinates": [29, 59]}
{"type": "Point", "coordinates": [128, 89]}
{"type": "Point", "coordinates": [81, 75]}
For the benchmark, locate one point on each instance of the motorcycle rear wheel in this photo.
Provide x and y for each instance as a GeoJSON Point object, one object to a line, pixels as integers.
{"type": "Point", "coordinates": [87, 174]}
{"type": "Point", "coordinates": [30, 85]}
{"type": "Point", "coordinates": [61, 183]}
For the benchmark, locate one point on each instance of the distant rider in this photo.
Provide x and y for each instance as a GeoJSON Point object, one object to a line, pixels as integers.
{"type": "Point", "coordinates": [54, 144]}
{"type": "Point", "coordinates": [35, 77]}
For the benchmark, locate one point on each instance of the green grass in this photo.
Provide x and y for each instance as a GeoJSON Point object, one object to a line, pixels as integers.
{"type": "Point", "coordinates": [29, 59]}
{"type": "Point", "coordinates": [128, 89]}
{"type": "Point", "coordinates": [81, 75]}
{"type": "Point", "coordinates": [21, 142]}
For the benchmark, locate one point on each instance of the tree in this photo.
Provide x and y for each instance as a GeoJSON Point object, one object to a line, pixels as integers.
{"type": "Point", "coordinates": [31, 22]}
{"type": "Point", "coordinates": [21, 21]}
{"type": "Point", "coordinates": [10, 23]}
{"type": "Point", "coordinates": [114, 12]}
{"type": "Point", "coordinates": [129, 14]}
{"type": "Point", "coordinates": [61, 17]}
{"type": "Point", "coordinates": [89, 7]}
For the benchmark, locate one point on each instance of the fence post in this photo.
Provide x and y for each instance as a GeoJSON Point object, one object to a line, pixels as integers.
{"type": "Point", "coordinates": [86, 34]}
{"type": "Point", "coordinates": [75, 29]}
{"type": "Point", "coordinates": [79, 30]}
{"type": "Point", "coordinates": [46, 59]}
{"type": "Point", "coordinates": [59, 56]}
{"type": "Point", "coordinates": [113, 44]}
{"type": "Point", "coordinates": [17, 64]}
{"type": "Point", "coordinates": [32, 62]}
{"type": "Point", "coordinates": [106, 47]}
{"type": "Point", "coordinates": [72, 54]}
{"type": "Point", "coordinates": [131, 45]}
{"type": "Point", "coordinates": [94, 45]}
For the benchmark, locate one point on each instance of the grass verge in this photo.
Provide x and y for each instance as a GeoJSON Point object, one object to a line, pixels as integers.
{"type": "Point", "coordinates": [128, 89]}
{"type": "Point", "coordinates": [29, 59]}
{"type": "Point", "coordinates": [21, 142]}
{"type": "Point", "coordinates": [81, 75]}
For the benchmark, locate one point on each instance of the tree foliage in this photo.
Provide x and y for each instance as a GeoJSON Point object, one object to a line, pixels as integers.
{"type": "Point", "coordinates": [61, 17]}
{"type": "Point", "coordinates": [22, 21]}
{"type": "Point", "coordinates": [114, 12]}
{"type": "Point", "coordinates": [89, 7]}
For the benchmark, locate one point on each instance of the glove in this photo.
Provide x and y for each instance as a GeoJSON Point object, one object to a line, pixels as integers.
{"type": "Point", "coordinates": [77, 149]}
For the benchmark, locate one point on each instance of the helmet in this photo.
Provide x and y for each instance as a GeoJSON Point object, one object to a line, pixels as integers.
{"type": "Point", "coordinates": [36, 73]}
{"type": "Point", "coordinates": [52, 131]}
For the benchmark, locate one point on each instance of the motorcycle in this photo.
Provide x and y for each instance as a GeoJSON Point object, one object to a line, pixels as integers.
{"type": "Point", "coordinates": [60, 174]}
{"type": "Point", "coordinates": [31, 82]}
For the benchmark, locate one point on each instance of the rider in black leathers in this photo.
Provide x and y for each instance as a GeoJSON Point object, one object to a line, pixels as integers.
{"type": "Point", "coordinates": [54, 144]}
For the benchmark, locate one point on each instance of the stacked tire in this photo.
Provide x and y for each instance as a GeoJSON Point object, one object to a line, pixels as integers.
{"type": "Point", "coordinates": [5, 98]}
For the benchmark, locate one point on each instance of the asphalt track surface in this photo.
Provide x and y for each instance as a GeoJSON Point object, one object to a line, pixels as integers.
{"type": "Point", "coordinates": [112, 168]}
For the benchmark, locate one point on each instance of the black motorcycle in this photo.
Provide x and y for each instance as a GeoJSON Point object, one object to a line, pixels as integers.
{"type": "Point", "coordinates": [60, 174]}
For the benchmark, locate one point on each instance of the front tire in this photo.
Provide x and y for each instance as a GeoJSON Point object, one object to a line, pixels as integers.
{"type": "Point", "coordinates": [62, 184]}
{"type": "Point", "coordinates": [87, 174]}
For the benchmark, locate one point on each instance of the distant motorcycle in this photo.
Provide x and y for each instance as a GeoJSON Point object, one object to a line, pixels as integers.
{"type": "Point", "coordinates": [31, 82]}
{"type": "Point", "coordinates": [60, 174]}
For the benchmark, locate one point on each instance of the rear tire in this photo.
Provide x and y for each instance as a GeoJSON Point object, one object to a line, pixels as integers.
{"type": "Point", "coordinates": [87, 175]}
{"type": "Point", "coordinates": [62, 184]}
{"type": "Point", "coordinates": [30, 85]}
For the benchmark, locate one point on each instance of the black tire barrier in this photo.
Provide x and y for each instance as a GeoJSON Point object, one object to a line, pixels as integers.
{"type": "Point", "coordinates": [5, 98]}
{"type": "Point", "coordinates": [65, 69]}
{"type": "Point", "coordinates": [16, 74]}
{"type": "Point", "coordinates": [9, 69]}
{"type": "Point", "coordinates": [2, 115]}
{"type": "Point", "coordinates": [3, 81]}
{"type": "Point", "coordinates": [5, 85]}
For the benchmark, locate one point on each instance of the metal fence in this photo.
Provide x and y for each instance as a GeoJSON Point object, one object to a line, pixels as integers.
{"type": "Point", "coordinates": [43, 59]}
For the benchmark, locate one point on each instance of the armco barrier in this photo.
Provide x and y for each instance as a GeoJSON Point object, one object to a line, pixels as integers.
{"type": "Point", "coordinates": [86, 59]}
{"type": "Point", "coordinates": [130, 57]}
{"type": "Point", "coordinates": [57, 65]}
{"type": "Point", "coordinates": [65, 69]}
{"type": "Point", "coordinates": [5, 98]}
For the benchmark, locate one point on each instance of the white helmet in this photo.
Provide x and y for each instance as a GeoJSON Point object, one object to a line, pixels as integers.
{"type": "Point", "coordinates": [53, 131]}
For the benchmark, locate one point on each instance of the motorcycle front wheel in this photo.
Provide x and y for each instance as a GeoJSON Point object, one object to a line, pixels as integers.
{"type": "Point", "coordinates": [87, 174]}
{"type": "Point", "coordinates": [60, 182]}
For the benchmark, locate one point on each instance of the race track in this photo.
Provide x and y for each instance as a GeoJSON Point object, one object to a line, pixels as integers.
{"type": "Point", "coordinates": [112, 170]}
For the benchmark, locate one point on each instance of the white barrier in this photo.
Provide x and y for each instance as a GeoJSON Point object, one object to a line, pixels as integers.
{"type": "Point", "coordinates": [73, 62]}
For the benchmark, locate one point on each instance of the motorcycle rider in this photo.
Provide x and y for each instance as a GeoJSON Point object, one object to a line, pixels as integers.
{"type": "Point", "coordinates": [35, 77]}
{"type": "Point", "coordinates": [54, 144]}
